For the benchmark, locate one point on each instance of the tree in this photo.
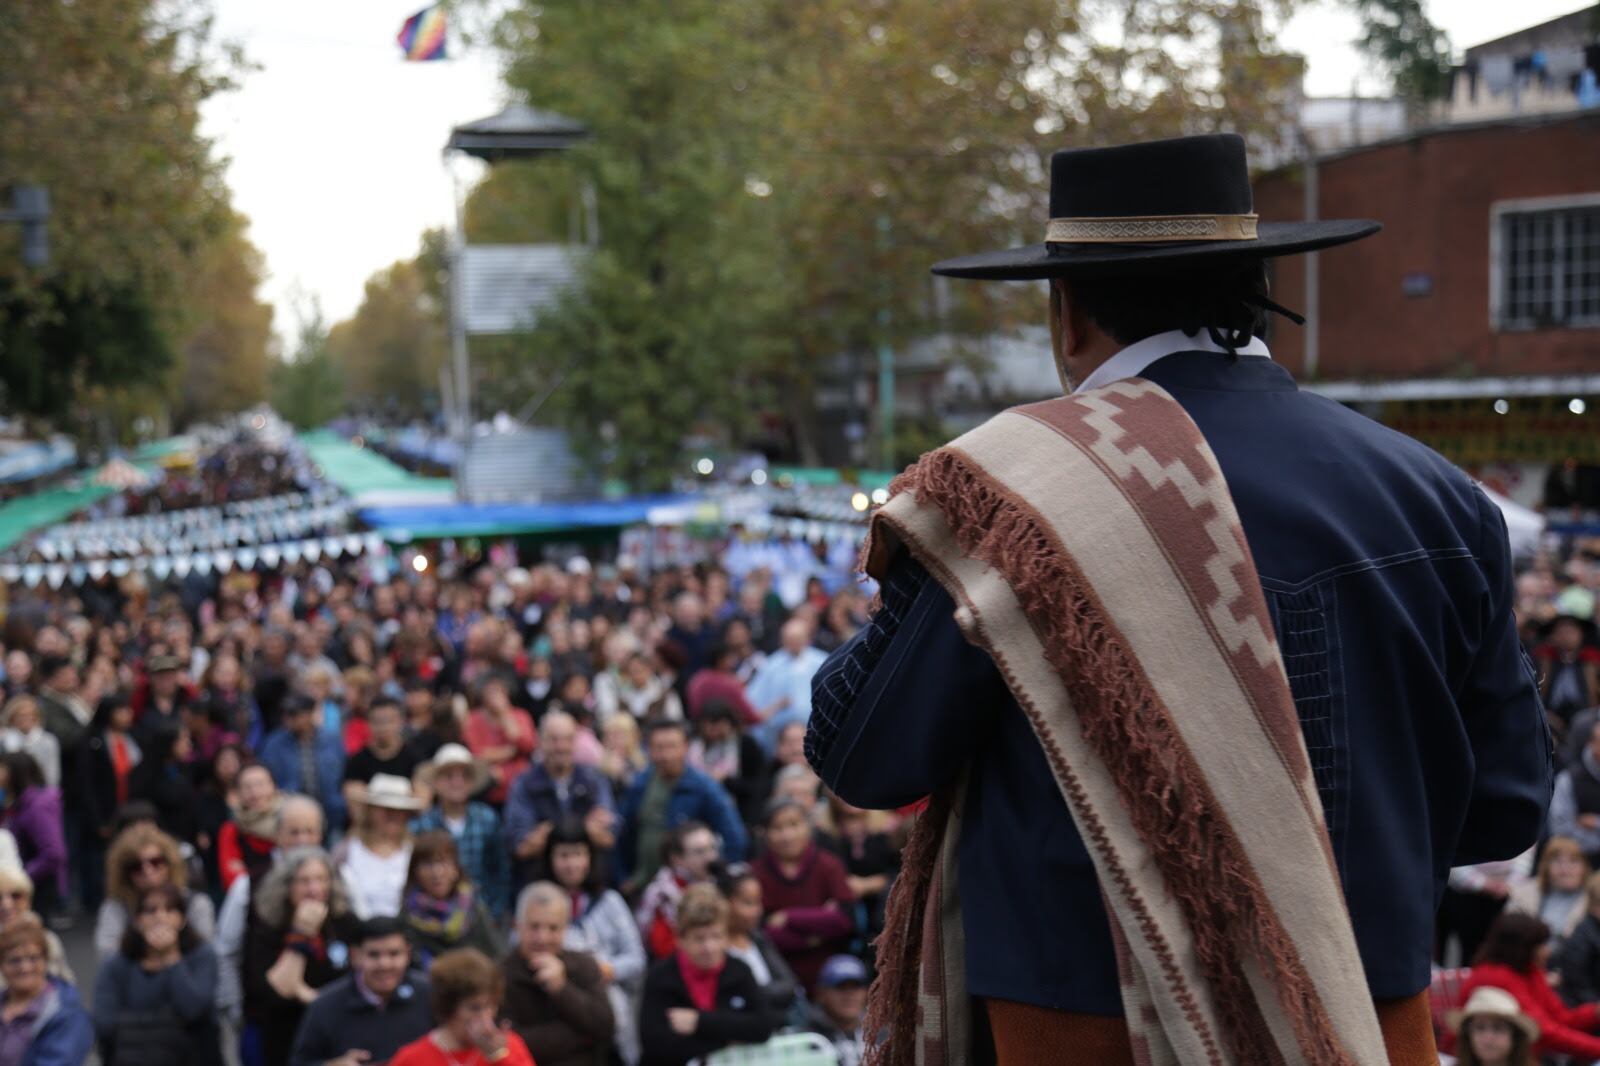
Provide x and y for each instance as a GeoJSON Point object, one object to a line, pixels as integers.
{"type": "Point", "coordinates": [225, 360]}
{"type": "Point", "coordinates": [99, 102]}
{"type": "Point", "coordinates": [390, 351]}
{"type": "Point", "coordinates": [308, 389]}
{"type": "Point", "coordinates": [1398, 35]}
{"type": "Point", "coordinates": [773, 181]}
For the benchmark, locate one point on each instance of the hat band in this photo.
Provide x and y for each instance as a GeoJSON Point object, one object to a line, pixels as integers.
{"type": "Point", "coordinates": [1151, 229]}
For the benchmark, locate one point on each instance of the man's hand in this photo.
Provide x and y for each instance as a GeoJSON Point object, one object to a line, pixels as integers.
{"type": "Point", "coordinates": [777, 919]}
{"type": "Point", "coordinates": [353, 1057]}
{"type": "Point", "coordinates": [1589, 821]}
{"type": "Point", "coordinates": [533, 844]}
{"type": "Point", "coordinates": [597, 824]}
{"type": "Point", "coordinates": [608, 972]}
{"type": "Point", "coordinates": [683, 1020]}
{"type": "Point", "coordinates": [550, 972]}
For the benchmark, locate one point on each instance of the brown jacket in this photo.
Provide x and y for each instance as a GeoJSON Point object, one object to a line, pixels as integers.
{"type": "Point", "coordinates": [574, 1027]}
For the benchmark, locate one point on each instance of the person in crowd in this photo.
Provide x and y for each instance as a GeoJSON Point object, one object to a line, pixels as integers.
{"type": "Point", "coordinates": [841, 1006]}
{"type": "Point", "coordinates": [66, 715]}
{"type": "Point", "coordinates": [245, 842]}
{"type": "Point", "coordinates": [386, 751]}
{"type": "Point", "coordinates": [300, 943]}
{"type": "Point", "coordinates": [1492, 1031]}
{"type": "Point", "coordinates": [1575, 806]}
{"type": "Point", "coordinates": [806, 891]}
{"type": "Point", "coordinates": [730, 757]}
{"type": "Point", "coordinates": [159, 705]}
{"type": "Point", "coordinates": [16, 901]}
{"type": "Point", "coordinates": [1570, 667]}
{"type": "Point", "coordinates": [644, 692]}
{"type": "Point", "coordinates": [700, 1000]}
{"type": "Point", "coordinates": [1577, 960]}
{"type": "Point", "coordinates": [42, 1020]}
{"type": "Point", "coordinates": [302, 758]}
{"type": "Point", "coordinates": [31, 812]}
{"type": "Point", "coordinates": [691, 856]}
{"type": "Point", "coordinates": [553, 788]}
{"type": "Point", "coordinates": [692, 632]}
{"type": "Point", "coordinates": [665, 796]}
{"type": "Point", "coordinates": [1473, 898]}
{"type": "Point", "coordinates": [870, 858]}
{"type": "Point", "coordinates": [1555, 893]}
{"type": "Point", "coordinates": [781, 690]}
{"type": "Point", "coordinates": [225, 688]}
{"type": "Point", "coordinates": [217, 809]}
{"type": "Point", "coordinates": [319, 683]}
{"type": "Point", "coordinates": [718, 682]}
{"type": "Point", "coordinates": [501, 734]}
{"type": "Point", "coordinates": [375, 860]}
{"type": "Point", "coordinates": [22, 729]}
{"type": "Point", "coordinates": [141, 858]}
{"type": "Point", "coordinates": [739, 639]}
{"type": "Point", "coordinates": [442, 908]}
{"type": "Point", "coordinates": [467, 987]}
{"type": "Point", "coordinates": [1515, 958]}
{"type": "Point", "coordinates": [155, 999]}
{"type": "Point", "coordinates": [206, 731]}
{"type": "Point", "coordinates": [299, 826]}
{"type": "Point", "coordinates": [555, 998]}
{"type": "Point", "coordinates": [800, 784]}
{"type": "Point", "coordinates": [422, 732]}
{"type": "Point", "coordinates": [165, 780]}
{"type": "Point", "coordinates": [104, 770]}
{"type": "Point", "coordinates": [749, 943]}
{"type": "Point", "coordinates": [365, 1017]}
{"type": "Point", "coordinates": [601, 926]}
{"type": "Point", "coordinates": [453, 777]}
{"type": "Point", "coordinates": [622, 752]}
{"type": "Point", "coordinates": [791, 749]}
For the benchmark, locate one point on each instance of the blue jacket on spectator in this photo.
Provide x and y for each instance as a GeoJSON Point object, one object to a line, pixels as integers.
{"type": "Point", "coordinates": [63, 1035]}
{"type": "Point", "coordinates": [280, 754]}
{"type": "Point", "coordinates": [695, 798]}
{"type": "Point", "coordinates": [1389, 581]}
{"type": "Point", "coordinates": [533, 799]}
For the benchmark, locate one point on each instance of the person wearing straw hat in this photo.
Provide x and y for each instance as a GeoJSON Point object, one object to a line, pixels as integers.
{"type": "Point", "coordinates": [1207, 676]}
{"type": "Point", "coordinates": [453, 776]}
{"type": "Point", "coordinates": [1491, 1030]}
{"type": "Point", "coordinates": [376, 858]}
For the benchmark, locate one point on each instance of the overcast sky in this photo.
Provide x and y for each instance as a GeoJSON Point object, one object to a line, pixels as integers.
{"type": "Point", "coordinates": [336, 143]}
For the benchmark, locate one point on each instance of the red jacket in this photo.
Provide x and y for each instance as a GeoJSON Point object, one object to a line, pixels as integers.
{"type": "Point", "coordinates": [1562, 1029]}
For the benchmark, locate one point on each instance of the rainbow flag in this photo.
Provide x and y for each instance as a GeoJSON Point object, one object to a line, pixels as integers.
{"type": "Point", "coordinates": [422, 37]}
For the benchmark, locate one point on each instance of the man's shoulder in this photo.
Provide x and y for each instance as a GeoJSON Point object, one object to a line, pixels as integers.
{"type": "Point", "coordinates": [581, 967]}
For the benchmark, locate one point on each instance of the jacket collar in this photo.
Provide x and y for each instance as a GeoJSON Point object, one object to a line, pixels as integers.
{"type": "Point", "coordinates": [1132, 360]}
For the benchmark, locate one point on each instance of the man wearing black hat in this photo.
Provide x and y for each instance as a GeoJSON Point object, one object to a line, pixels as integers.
{"type": "Point", "coordinates": [1380, 570]}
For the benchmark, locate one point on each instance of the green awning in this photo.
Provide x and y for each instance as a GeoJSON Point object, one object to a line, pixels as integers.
{"type": "Point", "coordinates": [23, 515]}
{"type": "Point", "coordinates": [365, 474]}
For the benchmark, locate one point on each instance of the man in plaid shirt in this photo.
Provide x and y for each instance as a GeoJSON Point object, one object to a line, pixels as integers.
{"type": "Point", "coordinates": [454, 777]}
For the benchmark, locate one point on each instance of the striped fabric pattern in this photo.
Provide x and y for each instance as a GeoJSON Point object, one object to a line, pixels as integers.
{"type": "Point", "coordinates": [1094, 553]}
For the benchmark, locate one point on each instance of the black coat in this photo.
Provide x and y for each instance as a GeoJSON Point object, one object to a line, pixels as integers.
{"type": "Point", "coordinates": [1578, 963]}
{"type": "Point", "coordinates": [279, 1018]}
{"type": "Point", "coordinates": [741, 1015]}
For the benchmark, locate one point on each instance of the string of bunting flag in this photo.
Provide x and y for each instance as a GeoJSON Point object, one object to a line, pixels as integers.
{"type": "Point", "coordinates": [179, 532]}
{"type": "Point", "coordinates": [181, 564]}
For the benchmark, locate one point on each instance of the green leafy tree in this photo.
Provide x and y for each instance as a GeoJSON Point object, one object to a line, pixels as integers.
{"type": "Point", "coordinates": [225, 360]}
{"type": "Point", "coordinates": [307, 388]}
{"type": "Point", "coordinates": [390, 351]}
{"type": "Point", "coordinates": [99, 102]}
{"type": "Point", "coordinates": [1398, 35]}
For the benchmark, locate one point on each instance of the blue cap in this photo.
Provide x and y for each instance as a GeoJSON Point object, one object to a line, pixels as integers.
{"type": "Point", "coordinates": [842, 970]}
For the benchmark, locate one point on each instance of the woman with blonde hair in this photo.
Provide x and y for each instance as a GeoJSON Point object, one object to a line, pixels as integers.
{"type": "Point", "coordinates": [16, 901]}
{"type": "Point", "coordinates": [300, 942]}
{"type": "Point", "coordinates": [22, 729]}
{"type": "Point", "coordinates": [622, 754]}
{"type": "Point", "coordinates": [701, 1000]}
{"type": "Point", "coordinates": [142, 857]}
{"type": "Point", "coordinates": [1554, 895]}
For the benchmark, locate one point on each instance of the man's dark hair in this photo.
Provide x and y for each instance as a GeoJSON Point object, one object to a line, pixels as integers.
{"type": "Point", "coordinates": [51, 665]}
{"type": "Point", "coordinates": [567, 831]}
{"type": "Point", "coordinates": [1225, 295]}
{"type": "Point", "coordinates": [661, 725]}
{"type": "Point", "coordinates": [379, 928]}
{"type": "Point", "coordinates": [386, 701]}
{"type": "Point", "coordinates": [1513, 940]}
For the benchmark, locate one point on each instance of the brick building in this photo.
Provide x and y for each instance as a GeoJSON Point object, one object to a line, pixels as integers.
{"type": "Point", "coordinates": [1473, 319]}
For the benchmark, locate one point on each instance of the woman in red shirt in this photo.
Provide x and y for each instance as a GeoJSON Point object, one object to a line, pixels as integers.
{"type": "Point", "coordinates": [1515, 957]}
{"type": "Point", "coordinates": [501, 735]}
{"type": "Point", "coordinates": [466, 990]}
{"type": "Point", "coordinates": [806, 890]}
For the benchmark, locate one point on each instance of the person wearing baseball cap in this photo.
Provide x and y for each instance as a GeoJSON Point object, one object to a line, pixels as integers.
{"type": "Point", "coordinates": [839, 1006]}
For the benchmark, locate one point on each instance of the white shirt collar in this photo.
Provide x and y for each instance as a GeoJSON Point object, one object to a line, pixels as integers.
{"type": "Point", "coordinates": [1132, 360]}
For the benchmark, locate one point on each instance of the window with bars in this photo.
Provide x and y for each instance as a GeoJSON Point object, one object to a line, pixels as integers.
{"type": "Point", "coordinates": [1549, 267]}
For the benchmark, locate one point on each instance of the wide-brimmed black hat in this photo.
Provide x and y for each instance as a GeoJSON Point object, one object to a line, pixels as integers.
{"type": "Point", "coordinates": [1145, 207]}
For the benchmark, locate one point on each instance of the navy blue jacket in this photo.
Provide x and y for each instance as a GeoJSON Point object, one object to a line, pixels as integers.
{"type": "Point", "coordinates": [1388, 577]}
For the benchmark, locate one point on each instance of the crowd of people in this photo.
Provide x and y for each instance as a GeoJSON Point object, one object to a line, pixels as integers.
{"type": "Point", "coordinates": [1525, 933]}
{"type": "Point", "coordinates": [318, 812]}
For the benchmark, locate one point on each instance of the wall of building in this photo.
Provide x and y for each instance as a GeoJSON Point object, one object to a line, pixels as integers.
{"type": "Point", "coordinates": [1414, 301]}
